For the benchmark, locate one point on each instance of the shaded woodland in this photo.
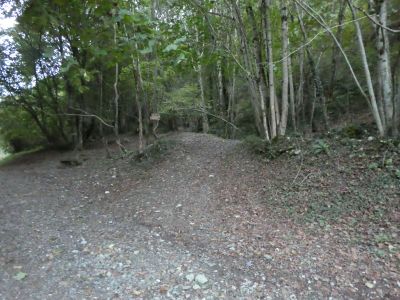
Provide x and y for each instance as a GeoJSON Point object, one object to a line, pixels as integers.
{"type": "Point", "coordinates": [74, 71]}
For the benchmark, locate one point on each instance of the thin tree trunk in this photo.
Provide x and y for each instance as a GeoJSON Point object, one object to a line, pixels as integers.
{"type": "Point", "coordinates": [292, 95]}
{"type": "Point", "coordinates": [232, 103]}
{"type": "Point", "coordinates": [368, 77]}
{"type": "Point", "coordinates": [285, 69]}
{"type": "Point", "coordinates": [79, 144]}
{"type": "Point", "coordinates": [249, 66]}
{"type": "Point", "coordinates": [116, 99]}
{"type": "Point", "coordinates": [319, 19]}
{"type": "Point", "coordinates": [101, 127]}
{"type": "Point", "coordinates": [259, 77]}
{"type": "Point", "coordinates": [265, 13]}
{"type": "Point", "coordinates": [300, 93]}
{"type": "Point", "coordinates": [313, 107]}
{"type": "Point", "coordinates": [221, 104]}
{"type": "Point", "coordinates": [203, 106]}
{"type": "Point", "coordinates": [232, 91]}
{"type": "Point", "coordinates": [138, 93]}
{"type": "Point", "coordinates": [335, 49]}
{"type": "Point", "coordinates": [156, 71]}
{"type": "Point", "coordinates": [140, 116]}
{"type": "Point", "coordinates": [396, 129]}
{"type": "Point", "coordinates": [319, 89]}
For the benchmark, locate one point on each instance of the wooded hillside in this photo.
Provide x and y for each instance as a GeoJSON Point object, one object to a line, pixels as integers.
{"type": "Point", "coordinates": [77, 70]}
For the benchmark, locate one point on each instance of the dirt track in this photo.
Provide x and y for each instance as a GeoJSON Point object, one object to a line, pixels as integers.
{"type": "Point", "coordinates": [108, 229]}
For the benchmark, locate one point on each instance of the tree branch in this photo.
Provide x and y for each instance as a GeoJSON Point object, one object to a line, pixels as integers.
{"type": "Point", "coordinates": [88, 115]}
{"type": "Point", "coordinates": [208, 113]}
{"type": "Point", "coordinates": [375, 21]}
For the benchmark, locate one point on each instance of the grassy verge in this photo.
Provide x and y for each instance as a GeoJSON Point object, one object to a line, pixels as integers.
{"type": "Point", "coordinates": [10, 158]}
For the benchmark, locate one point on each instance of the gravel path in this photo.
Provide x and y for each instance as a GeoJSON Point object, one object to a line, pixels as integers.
{"type": "Point", "coordinates": [190, 227]}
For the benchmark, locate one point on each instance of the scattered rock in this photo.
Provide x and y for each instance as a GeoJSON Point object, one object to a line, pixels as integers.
{"type": "Point", "coordinates": [370, 285]}
{"type": "Point", "coordinates": [201, 279]}
{"type": "Point", "coordinates": [268, 257]}
{"type": "Point", "coordinates": [190, 277]}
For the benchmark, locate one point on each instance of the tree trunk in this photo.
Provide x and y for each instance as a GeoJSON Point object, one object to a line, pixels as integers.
{"type": "Point", "coordinates": [371, 92]}
{"type": "Point", "coordinates": [221, 104]}
{"type": "Point", "coordinates": [260, 78]}
{"type": "Point", "coordinates": [249, 66]}
{"type": "Point", "coordinates": [292, 95]}
{"type": "Point", "coordinates": [300, 92]}
{"type": "Point", "coordinates": [384, 67]}
{"type": "Point", "coordinates": [203, 106]}
{"type": "Point", "coordinates": [116, 99]}
{"type": "Point", "coordinates": [335, 49]}
{"type": "Point", "coordinates": [321, 21]}
{"type": "Point", "coordinates": [138, 93]}
{"type": "Point", "coordinates": [319, 89]}
{"type": "Point", "coordinates": [265, 14]}
{"type": "Point", "coordinates": [396, 129]}
{"type": "Point", "coordinates": [101, 126]}
{"type": "Point", "coordinates": [140, 117]}
{"type": "Point", "coordinates": [232, 103]}
{"type": "Point", "coordinates": [285, 69]}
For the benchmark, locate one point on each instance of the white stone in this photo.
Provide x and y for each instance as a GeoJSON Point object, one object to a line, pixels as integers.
{"type": "Point", "coordinates": [201, 279]}
{"type": "Point", "coordinates": [190, 277]}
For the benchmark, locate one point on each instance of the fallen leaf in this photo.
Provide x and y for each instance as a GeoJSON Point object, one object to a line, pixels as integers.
{"type": "Point", "coordinates": [20, 276]}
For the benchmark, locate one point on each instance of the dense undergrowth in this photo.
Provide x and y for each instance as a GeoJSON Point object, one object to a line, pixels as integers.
{"type": "Point", "coordinates": [342, 180]}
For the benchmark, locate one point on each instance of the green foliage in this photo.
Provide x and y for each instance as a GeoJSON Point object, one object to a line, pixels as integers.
{"type": "Point", "coordinates": [10, 158]}
{"type": "Point", "coordinates": [269, 150]}
{"type": "Point", "coordinates": [181, 100]}
{"type": "Point", "coordinates": [353, 131]}
{"type": "Point", "coordinates": [255, 144]}
{"type": "Point", "coordinates": [373, 166]}
{"type": "Point", "coordinates": [61, 49]}
{"type": "Point", "coordinates": [17, 130]}
{"type": "Point", "coordinates": [320, 147]}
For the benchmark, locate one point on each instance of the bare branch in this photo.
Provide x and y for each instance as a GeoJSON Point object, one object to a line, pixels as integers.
{"type": "Point", "coordinates": [375, 21]}
{"type": "Point", "coordinates": [88, 115]}
{"type": "Point", "coordinates": [208, 113]}
{"type": "Point", "coordinates": [310, 11]}
{"type": "Point", "coordinates": [325, 30]}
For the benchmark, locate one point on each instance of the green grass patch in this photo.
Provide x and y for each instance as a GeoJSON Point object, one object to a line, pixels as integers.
{"type": "Point", "coordinates": [10, 158]}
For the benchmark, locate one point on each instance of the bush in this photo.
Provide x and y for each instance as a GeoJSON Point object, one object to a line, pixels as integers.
{"type": "Point", "coordinates": [320, 146]}
{"type": "Point", "coordinates": [353, 131]}
{"type": "Point", "coordinates": [255, 144]}
{"type": "Point", "coordinates": [154, 152]}
{"type": "Point", "coordinates": [17, 130]}
{"type": "Point", "coordinates": [270, 150]}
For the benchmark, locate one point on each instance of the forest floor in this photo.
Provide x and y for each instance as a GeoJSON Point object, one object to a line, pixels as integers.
{"type": "Point", "coordinates": [204, 220]}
